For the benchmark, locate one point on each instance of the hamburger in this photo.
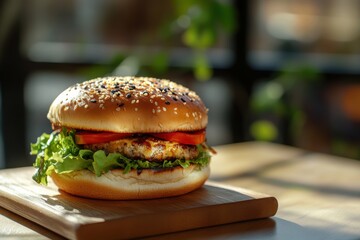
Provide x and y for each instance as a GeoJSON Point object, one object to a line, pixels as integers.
{"type": "Point", "coordinates": [125, 138]}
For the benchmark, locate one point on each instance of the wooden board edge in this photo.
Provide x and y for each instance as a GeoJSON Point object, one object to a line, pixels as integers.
{"type": "Point", "coordinates": [35, 215]}
{"type": "Point", "coordinates": [30, 225]}
{"type": "Point", "coordinates": [194, 219]}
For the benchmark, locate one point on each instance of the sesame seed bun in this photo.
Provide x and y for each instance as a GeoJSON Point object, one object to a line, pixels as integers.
{"type": "Point", "coordinates": [147, 184]}
{"type": "Point", "coordinates": [129, 104]}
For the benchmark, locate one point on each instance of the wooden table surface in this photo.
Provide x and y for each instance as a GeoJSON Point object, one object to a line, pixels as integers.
{"type": "Point", "coordinates": [318, 195]}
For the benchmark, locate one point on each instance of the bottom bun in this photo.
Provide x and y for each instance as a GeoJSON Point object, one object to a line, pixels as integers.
{"type": "Point", "coordinates": [144, 184]}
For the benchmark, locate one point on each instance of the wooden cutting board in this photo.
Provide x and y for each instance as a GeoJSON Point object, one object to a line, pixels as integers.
{"type": "Point", "coordinates": [81, 218]}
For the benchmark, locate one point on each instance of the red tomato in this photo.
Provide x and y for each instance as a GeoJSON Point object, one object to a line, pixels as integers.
{"type": "Point", "coordinates": [88, 137]}
{"type": "Point", "coordinates": [191, 138]}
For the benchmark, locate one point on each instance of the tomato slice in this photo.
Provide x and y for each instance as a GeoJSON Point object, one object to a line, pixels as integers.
{"type": "Point", "coordinates": [190, 138]}
{"type": "Point", "coordinates": [89, 137]}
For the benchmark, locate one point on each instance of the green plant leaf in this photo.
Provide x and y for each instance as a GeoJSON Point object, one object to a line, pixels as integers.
{"type": "Point", "coordinates": [263, 130]}
{"type": "Point", "coordinates": [203, 71]}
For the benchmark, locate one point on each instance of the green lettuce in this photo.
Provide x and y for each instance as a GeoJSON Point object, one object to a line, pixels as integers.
{"type": "Point", "coordinates": [58, 152]}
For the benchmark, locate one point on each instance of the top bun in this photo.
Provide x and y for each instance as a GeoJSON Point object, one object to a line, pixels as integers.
{"type": "Point", "coordinates": [129, 105]}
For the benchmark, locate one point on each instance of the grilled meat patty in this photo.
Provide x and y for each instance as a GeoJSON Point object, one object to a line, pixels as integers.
{"type": "Point", "coordinates": [149, 148]}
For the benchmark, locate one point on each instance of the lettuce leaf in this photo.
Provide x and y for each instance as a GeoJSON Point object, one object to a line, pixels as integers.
{"type": "Point", "coordinates": [58, 152]}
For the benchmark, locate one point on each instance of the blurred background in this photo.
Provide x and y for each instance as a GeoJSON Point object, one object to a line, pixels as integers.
{"type": "Point", "coordinates": [283, 71]}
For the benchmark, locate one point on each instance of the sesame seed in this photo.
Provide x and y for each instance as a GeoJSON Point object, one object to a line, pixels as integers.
{"type": "Point", "coordinates": [153, 111]}
{"type": "Point", "coordinates": [167, 103]}
{"type": "Point", "coordinates": [133, 101]}
{"type": "Point", "coordinates": [136, 109]}
{"type": "Point", "coordinates": [187, 115]}
{"type": "Point", "coordinates": [164, 109]}
{"type": "Point", "coordinates": [175, 113]}
{"type": "Point", "coordinates": [156, 103]}
{"type": "Point", "coordinates": [117, 109]}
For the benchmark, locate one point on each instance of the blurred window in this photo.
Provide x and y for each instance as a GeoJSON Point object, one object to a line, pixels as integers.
{"type": "Point", "coordinates": [325, 33]}
{"type": "Point", "coordinates": [95, 31]}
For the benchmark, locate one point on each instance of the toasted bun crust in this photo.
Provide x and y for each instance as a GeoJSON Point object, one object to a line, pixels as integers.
{"type": "Point", "coordinates": [115, 185]}
{"type": "Point", "coordinates": [129, 104]}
